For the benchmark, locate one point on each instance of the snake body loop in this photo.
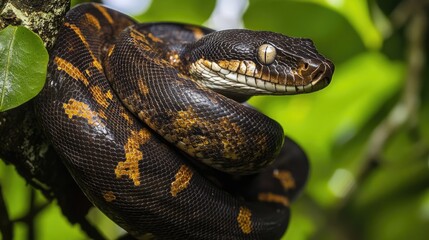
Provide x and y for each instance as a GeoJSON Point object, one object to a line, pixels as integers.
{"type": "Point", "coordinates": [127, 107]}
{"type": "Point", "coordinates": [208, 126]}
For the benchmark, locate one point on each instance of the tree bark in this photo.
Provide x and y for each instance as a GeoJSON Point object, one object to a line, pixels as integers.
{"type": "Point", "coordinates": [40, 16]}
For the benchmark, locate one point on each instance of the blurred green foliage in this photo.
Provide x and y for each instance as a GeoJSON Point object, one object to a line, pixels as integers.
{"type": "Point", "coordinates": [194, 11]}
{"type": "Point", "coordinates": [366, 134]}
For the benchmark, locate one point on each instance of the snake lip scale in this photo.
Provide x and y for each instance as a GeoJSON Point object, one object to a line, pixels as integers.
{"type": "Point", "coordinates": [148, 120]}
{"type": "Point", "coordinates": [216, 77]}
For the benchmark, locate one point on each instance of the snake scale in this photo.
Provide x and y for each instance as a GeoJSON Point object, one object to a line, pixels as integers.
{"type": "Point", "coordinates": [138, 112]}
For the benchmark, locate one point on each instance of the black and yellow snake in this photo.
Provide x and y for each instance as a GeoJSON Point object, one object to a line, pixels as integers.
{"type": "Point", "coordinates": [137, 112]}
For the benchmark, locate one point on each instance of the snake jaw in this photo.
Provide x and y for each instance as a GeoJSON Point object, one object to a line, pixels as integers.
{"type": "Point", "coordinates": [217, 78]}
{"type": "Point", "coordinates": [243, 77]}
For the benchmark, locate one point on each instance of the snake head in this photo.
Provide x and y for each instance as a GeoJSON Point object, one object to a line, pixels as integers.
{"type": "Point", "coordinates": [257, 62]}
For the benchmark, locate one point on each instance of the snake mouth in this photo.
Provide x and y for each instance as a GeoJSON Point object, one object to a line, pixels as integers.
{"type": "Point", "coordinates": [241, 77]}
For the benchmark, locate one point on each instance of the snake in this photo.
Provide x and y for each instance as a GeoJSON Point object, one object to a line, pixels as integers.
{"type": "Point", "coordinates": [150, 119]}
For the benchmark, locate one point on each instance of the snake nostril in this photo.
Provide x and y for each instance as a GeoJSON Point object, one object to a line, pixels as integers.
{"type": "Point", "coordinates": [305, 66]}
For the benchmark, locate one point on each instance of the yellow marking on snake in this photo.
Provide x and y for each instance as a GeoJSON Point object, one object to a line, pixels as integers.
{"type": "Point", "coordinates": [178, 132]}
{"type": "Point", "coordinates": [230, 147]}
{"type": "Point", "coordinates": [95, 62]}
{"type": "Point", "coordinates": [140, 40]}
{"type": "Point", "coordinates": [126, 117]}
{"type": "Point", "coordinates": [101, 97]}
{"type": "Point", "coordinates": [186, 118]}
{"type": "Point", "coordinates": [155, 39]}
{"type": "Point", "coordinates": [109, 95]}
{"type": "Point", "coordinates": [93, 21]}
{"type": "Point", "coordinates": [244, 220]}
{"type": "Point", "coordinates": [182, 180]}
{"type": "Point", "coordinates": [285, 178]}
{"type": "Point", "coordinates": [75, 108]}
{"type": "Point", "coordinates": [234, 65]}
{"type": "Point", "coordinates": [183, 123]}
{"type": "Point", "coordinates": [229, 150]}
{"type": "Point", "coordinates": [77, 32]}
{"type": "Point", "coordinates": [272, 197]}
{"type": "Point", "coordinates": [71, 70]}
{"type": "Point", "coordinates": [144, 89]}
{"type": "Point", "coordinates": [105, 13]}
{"type": "Point", "coordinates": [109, 196]}
{"type": "Point", "coordinates": [198, 33]}
{"type": "Point", "coordinates": [110, 51]}
{"type": "Point", "coordinates": [133, 154]}
{"type": "Point", "coordinates": [223, 64]}
{"type": "Point", "coordinates": [102, 114]}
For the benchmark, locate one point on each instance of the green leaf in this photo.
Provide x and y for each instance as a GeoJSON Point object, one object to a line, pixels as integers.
{"type": "Point", "coordinates": [188, 11]}
{"type": "Point", "coordinates": [23, 65]}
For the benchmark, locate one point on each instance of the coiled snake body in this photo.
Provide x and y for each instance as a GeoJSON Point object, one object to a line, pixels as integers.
{"type": "Point", "coordinates": [115, 87]}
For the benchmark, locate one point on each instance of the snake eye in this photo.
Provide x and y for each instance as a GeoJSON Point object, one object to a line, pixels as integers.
{"type": "Point", "coordinates": [266, 53]}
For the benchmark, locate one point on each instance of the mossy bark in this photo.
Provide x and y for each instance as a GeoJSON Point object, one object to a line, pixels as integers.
{"type": "Point", "coordinates": [40, 16]}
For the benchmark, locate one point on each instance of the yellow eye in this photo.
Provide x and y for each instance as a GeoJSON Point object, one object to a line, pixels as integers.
{"type": "Point", "coordinates": [266, 54]}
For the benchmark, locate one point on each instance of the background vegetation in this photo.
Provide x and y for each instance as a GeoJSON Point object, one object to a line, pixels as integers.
{"type": "Point", "coordinates": [366, 134]}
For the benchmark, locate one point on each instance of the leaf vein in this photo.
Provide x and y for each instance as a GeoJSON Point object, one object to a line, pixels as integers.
{"type": "Point", "coordinates": [9, 53]}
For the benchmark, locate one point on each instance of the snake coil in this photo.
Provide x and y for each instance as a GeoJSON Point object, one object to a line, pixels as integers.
{"type": "Point", "coordinates": [120, 95]}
